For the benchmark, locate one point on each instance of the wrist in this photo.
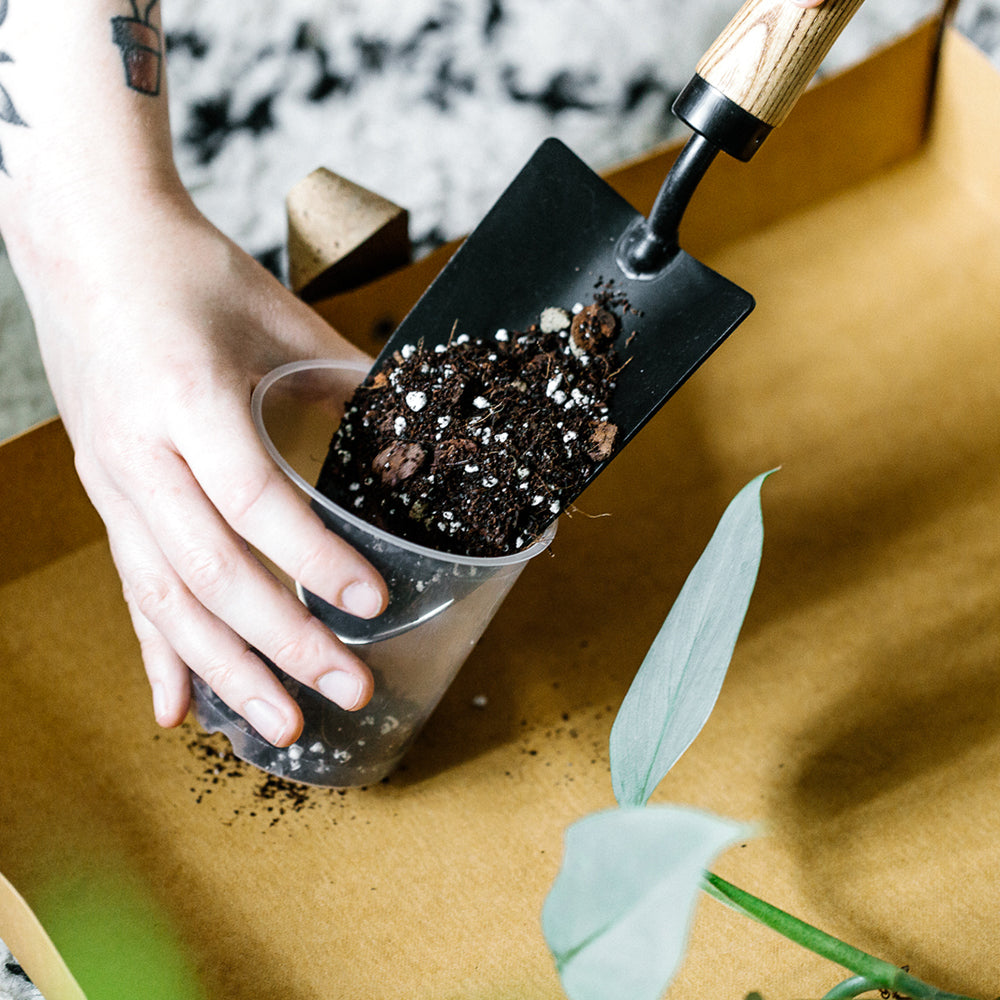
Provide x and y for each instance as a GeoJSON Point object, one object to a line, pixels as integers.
{"type": "Point", "coordinates": [51, 222]}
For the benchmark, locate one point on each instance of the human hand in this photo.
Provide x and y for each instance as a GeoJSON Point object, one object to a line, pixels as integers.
{"type": "Point", "coordinates": [154, 330]}
{"type": "Point", "coordinates": [807, 3]}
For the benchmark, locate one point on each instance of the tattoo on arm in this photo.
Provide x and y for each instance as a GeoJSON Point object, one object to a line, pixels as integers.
{"type": "Point", "coordinates": [8, 113]}
{"type": "Point", "coordinates": [141, 46]}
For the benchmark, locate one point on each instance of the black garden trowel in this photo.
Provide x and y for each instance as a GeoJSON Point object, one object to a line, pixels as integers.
{"type": "Point", "coordinates": [559, 229]}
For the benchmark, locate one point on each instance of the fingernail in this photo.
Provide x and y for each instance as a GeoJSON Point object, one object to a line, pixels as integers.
{"type": "Point", "coordinates": [361, 599]}
{"type": "Point", "coordinates": [159, 701]}
{"type": "Point", "coordinates": [265, 718]}
{"type": "Point", "coordinates": [340, 687]}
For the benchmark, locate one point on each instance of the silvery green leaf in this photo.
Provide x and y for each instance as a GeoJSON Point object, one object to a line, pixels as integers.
{"type": "Point", "coordinates": [679, 681]}
{"type": "Point", "coordinates": [618, 914]}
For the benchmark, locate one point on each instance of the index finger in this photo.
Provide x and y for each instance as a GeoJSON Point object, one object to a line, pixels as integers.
{"type": "Point", "coordinates": [264, 508]}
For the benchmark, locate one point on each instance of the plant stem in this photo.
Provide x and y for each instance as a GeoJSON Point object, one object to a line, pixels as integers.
{"type": "Point", "coordinates": [873, 973]}
{"type": "Point", "coordinates": [850, 989]}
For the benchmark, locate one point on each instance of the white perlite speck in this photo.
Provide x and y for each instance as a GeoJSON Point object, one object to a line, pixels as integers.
{"type": "Point", "coordinates": [416, 401]}
{"type": "Point", "coordinates": [399, 425]}
{"type": "Point", "coordinates": [480, 402]}
{"type": "Point", "coordinates": [554, 319]}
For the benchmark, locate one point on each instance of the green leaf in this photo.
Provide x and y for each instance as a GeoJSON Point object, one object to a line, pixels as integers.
{"type": "Point", "coordinates": [114, 935]}
{"type": "Point", "coordinates": [679, 681]}
{"type": "Point", "coordinates": [618, 914]}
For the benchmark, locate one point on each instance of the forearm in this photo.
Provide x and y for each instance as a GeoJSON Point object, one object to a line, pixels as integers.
{"type": "Point", "coordinates": [82, 138]}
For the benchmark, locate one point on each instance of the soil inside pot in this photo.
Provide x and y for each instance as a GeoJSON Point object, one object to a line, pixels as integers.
{"type": "Point", "coordinates": [473, 447]}
{"type": "Point", "coordinates": [337, 748]}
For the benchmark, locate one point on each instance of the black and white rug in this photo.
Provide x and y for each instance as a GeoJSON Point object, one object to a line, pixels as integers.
{"type": "Point", "coordinates": [436, 104]}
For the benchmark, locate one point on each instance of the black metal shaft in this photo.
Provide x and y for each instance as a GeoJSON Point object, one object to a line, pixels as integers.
{"type": "Point", "coordinates": [650, 244]}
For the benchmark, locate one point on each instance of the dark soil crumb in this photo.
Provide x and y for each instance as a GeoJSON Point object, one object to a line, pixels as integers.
{"type": "Point", "coordinates": [272, 798]}
{"type": "Point", "coordinates": [219, 766]}
{"type": "Point", "coordinates": [473, 447]}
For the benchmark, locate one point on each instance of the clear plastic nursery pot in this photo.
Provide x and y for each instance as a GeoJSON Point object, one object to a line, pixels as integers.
{"type": "Point", "coordinates": [439, 605]}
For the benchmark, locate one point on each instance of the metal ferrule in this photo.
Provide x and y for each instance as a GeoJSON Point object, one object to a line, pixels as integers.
{"type": "Point", "coordinates": [721, 120]}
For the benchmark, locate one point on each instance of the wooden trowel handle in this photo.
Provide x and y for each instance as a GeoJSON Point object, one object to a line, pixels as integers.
{"type": "Point", "coordinates": [755, 71]}
{"type": "Point", "coordinates": [770, 51]}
